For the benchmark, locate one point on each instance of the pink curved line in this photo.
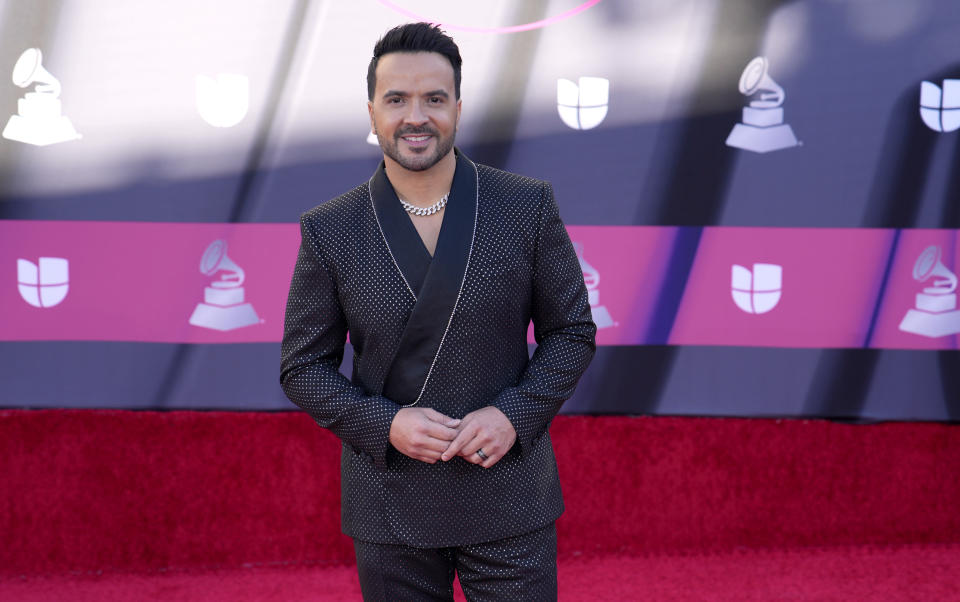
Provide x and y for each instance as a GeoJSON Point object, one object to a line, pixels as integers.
{"type": "Point", "coordinates": [511, 29]}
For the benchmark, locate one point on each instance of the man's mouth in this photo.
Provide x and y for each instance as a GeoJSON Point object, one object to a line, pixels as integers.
{"type": "Point", "coordinates": [416, 139]}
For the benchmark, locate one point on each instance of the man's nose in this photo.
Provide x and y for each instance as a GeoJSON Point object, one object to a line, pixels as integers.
{"type": "Point", "coordinates": [415, 115]}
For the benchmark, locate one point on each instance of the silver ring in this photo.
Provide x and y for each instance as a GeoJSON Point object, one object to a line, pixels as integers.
{"type": "Point", "coordinates": [482, 455]}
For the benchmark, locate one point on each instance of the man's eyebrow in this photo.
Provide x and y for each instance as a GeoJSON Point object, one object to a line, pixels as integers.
{"type": "Point", "coordinates": [442, 93]}
{"type": "Point", "coordinates": [395, 93]}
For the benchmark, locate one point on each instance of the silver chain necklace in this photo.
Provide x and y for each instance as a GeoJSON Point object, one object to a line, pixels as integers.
{"type": "Point", "coordinates": [414, 210]}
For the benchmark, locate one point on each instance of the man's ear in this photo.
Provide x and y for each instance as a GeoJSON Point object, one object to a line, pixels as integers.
{"type": "Point", "coordinates": [456, 126]}
{"type": "Point", "coordinates": [373, 124]}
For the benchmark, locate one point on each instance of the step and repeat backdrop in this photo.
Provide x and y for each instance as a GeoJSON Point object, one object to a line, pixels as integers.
{"type": "Point", "coordinates": [764, 195]}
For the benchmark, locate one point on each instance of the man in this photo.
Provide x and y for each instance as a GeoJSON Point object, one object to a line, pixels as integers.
{"type": "Point", "coordinates": [435, 267]}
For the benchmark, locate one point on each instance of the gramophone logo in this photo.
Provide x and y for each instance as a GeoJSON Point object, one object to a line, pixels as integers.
{"type": "Point", "coordinates": [591, 277]}
{"type": "Point", "coordinates": [940, 107]}
{"type": "Point", "coordinates": [757, 291]}
{"type": "Point", "coordinates": [223, 306]}
{"type": "Point", "coordinates": [763, 129]}
{"type": "Point", "coordinates": [936, 313]}
{"type": "Point", "coordinates": [39, 120]}
{"type": "Point", "coordinates": [223, 102]}
{"type": "Point", "coordinates": [43, 284]}
{"type": "Point", "coordinates": [583, 106]}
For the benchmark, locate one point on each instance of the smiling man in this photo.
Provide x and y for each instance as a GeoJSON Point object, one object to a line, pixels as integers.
{"type": "Point", "coordinates": [436, 267]}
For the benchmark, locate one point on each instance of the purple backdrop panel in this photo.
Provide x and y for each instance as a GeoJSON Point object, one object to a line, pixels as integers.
{"type": "Point", "coordinates": [138, 281]}
{"type": "Point", "coordinates": [783, 287]}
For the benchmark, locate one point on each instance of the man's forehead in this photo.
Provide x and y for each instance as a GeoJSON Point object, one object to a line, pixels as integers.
{"type": "Point", "coordinates": [413, 66]}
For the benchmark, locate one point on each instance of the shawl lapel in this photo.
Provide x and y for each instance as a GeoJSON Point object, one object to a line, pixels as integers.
{"type": "Point", "coordinates": [435, 283]}
{"type": "Point", "coordinates": [404, 243]}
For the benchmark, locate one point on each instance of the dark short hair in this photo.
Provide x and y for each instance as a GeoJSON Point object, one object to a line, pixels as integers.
{"type": "Point", "coordinates": [415, 37]}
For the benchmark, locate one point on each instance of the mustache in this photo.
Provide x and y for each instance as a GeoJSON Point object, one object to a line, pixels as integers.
{"type": "Point", "coordinates": [416, 131]}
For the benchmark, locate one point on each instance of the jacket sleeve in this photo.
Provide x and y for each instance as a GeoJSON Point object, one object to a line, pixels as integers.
{"type": "Point", "coordinates": [314, 333]}
{"type": "Point", "coordinates": [563, 328]}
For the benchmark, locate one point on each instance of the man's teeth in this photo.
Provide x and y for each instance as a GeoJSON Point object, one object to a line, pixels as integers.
{"type": "Point", "coordinates": [415, 138]}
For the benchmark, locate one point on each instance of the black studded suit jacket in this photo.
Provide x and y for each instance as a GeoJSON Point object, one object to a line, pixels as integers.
{"type": "Point", "coordinates": [447, 332]}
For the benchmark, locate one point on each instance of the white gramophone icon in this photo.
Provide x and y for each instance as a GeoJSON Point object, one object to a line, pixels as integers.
{"type": "Point", "coordinates": [39, 120]}
{"type": "Point", "coordinates": [936, 314]}
{"type": "Point", "coordinates": [223, 307]}
{"type": "Point", "coordinates": [591, 277]}
{"type": "Point", "coordinates": [763, 129]}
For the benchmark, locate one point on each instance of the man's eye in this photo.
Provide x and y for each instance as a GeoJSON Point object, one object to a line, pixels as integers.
{"type": "Point", "coordinates": [436, 100]}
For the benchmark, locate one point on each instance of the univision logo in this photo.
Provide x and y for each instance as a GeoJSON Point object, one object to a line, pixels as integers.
{"type": "Point", "coordinates": [43, 285]}
{"type": "Point", "coordinates": [583, 106]}
{"type": "Point", "coordinates": [757, 291]}
{"type": "Point", "coordinates": [940, 108]}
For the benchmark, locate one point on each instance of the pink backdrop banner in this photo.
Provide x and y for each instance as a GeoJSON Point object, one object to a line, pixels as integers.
{"type": "Point", "coordinates": [624, 267]}
{"type": "Point", "coordinates": [830, 279]}
{"type": "Point", "coordinates": [141, 281]}
{"type": "Point", "coordinates": [901, 297]}
{"type": "Point", "coordinates": [819, 287]}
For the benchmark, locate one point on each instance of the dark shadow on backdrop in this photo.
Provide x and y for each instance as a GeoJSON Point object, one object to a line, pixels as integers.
{"type": "Point", "coordinates": [842, 379]}
{"type": "Point", "coordinates": [244, 203]}
{"type": "Point", "coordinates": [697, 168]}
{"type": "Point", "coordinates": [949, 361]}
{"type": "Point", "coordinates": [243, 206]}
{"type": "Point", "coordinates": [499, 123]}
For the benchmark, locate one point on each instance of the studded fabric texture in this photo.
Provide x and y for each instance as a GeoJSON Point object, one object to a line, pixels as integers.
{"type": "Point", "coordinates": [522, 267]}
{"type": "Point", "coordinates": [516, 568]}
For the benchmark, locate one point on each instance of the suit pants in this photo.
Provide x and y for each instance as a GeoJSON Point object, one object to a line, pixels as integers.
{"type": "Point", "coordinates": [523, 567]}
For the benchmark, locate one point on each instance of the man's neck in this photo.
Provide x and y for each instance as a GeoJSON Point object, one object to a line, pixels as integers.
{"type": "Point", "coordinates": [422, 188]}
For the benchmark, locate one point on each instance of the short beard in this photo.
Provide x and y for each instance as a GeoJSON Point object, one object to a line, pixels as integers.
{"type": "Point", "coordinates": [391, 148]}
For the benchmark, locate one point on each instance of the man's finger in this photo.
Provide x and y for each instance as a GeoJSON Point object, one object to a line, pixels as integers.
{"type": "Point", "coordinates": [433, 446]}
{"type": "Point", "coordinates": [465, 436]}
{"type": "Point", "coordinates": [469, 451]}
{"type": "Point", "coordinates": [426, 454]}
{"type": "Point", "coordinates": [492, 458]}
{"type": "Point", "coordinates": [434, 415]}
{"type": "Point", "coordinates": [443, 419]}
{"type": "Point", "coordinates": [435, 430]}
{"type": "Point", "coordinates": [474, 458]}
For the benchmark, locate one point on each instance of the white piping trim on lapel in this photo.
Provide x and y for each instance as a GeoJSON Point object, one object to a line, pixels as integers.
{"type": "Point", "coordinates": [373, 207]}
{"type": "Point", "coordinates": [473, 238]}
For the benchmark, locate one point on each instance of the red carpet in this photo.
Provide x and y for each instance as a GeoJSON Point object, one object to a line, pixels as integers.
{"type": "Point", "coordinates": [841, 574]}
{"type": "Point", "coordinates": [174, 506]}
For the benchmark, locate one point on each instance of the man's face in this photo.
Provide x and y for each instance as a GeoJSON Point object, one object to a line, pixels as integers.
{"type": "Point", "coordinates": [414, 111]}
